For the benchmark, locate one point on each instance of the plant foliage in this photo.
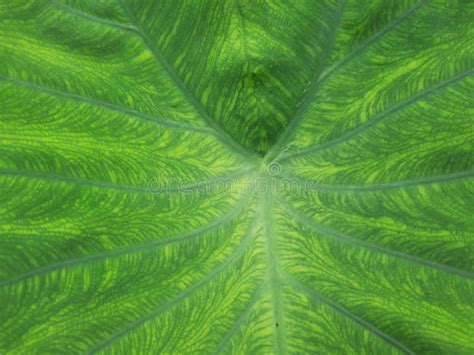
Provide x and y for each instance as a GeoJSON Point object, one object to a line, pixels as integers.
{"type": "Point", "coordinates": [236, 176]}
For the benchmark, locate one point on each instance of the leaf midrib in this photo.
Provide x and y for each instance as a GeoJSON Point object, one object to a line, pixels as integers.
{"type": "Point", "coordinates": [274, 268]}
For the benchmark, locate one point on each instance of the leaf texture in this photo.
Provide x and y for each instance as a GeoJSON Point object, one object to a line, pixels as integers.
{"type": "Point", "coordinates": [236, 176]}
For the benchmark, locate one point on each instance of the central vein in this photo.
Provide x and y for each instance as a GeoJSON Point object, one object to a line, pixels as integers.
{"type": "Point", "coordinates": [275, 287]}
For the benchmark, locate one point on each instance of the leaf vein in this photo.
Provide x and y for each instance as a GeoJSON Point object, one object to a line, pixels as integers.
{"type": "Point", "coordinates": [325, 230]}
{"type": "Point", "coordinates": [322, 76]}
{"type": "Point", "coordinates": [312, 87]}
{"type": "Point", "coordinates": [76, 12]}
{"type": "Point", "coordinates": [377, 118]}
{"type": "Point", "coordinates": [182, 296]}
{"type": "Point", "coordinates": [313, 184]}
{"type": "Point", "coordinates": [227, 217]}
{"type": "Point", "coordinates": [358, 320]}
{"type": "Point", "coordinates": [197, 186]}
{"type": "Point", "coordinates": [95, 102]}
{"type": "Point", "coordinates": [162, 61]}
{"type": "Point", "coordinates": [245, 313]}
{"type": "Point", "coordinates": [274, 272]}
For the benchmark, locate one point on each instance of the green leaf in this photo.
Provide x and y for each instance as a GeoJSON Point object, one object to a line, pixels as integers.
{"type": "Point", "coordinates": [236, 176]}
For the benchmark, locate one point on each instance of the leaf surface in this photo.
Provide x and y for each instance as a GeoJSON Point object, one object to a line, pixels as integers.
{"type": "Point", "coordinates": [236, 176]}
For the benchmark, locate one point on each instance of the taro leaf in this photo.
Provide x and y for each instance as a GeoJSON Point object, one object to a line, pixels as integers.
{"type": "Point", "coordinates": [196, 176]}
